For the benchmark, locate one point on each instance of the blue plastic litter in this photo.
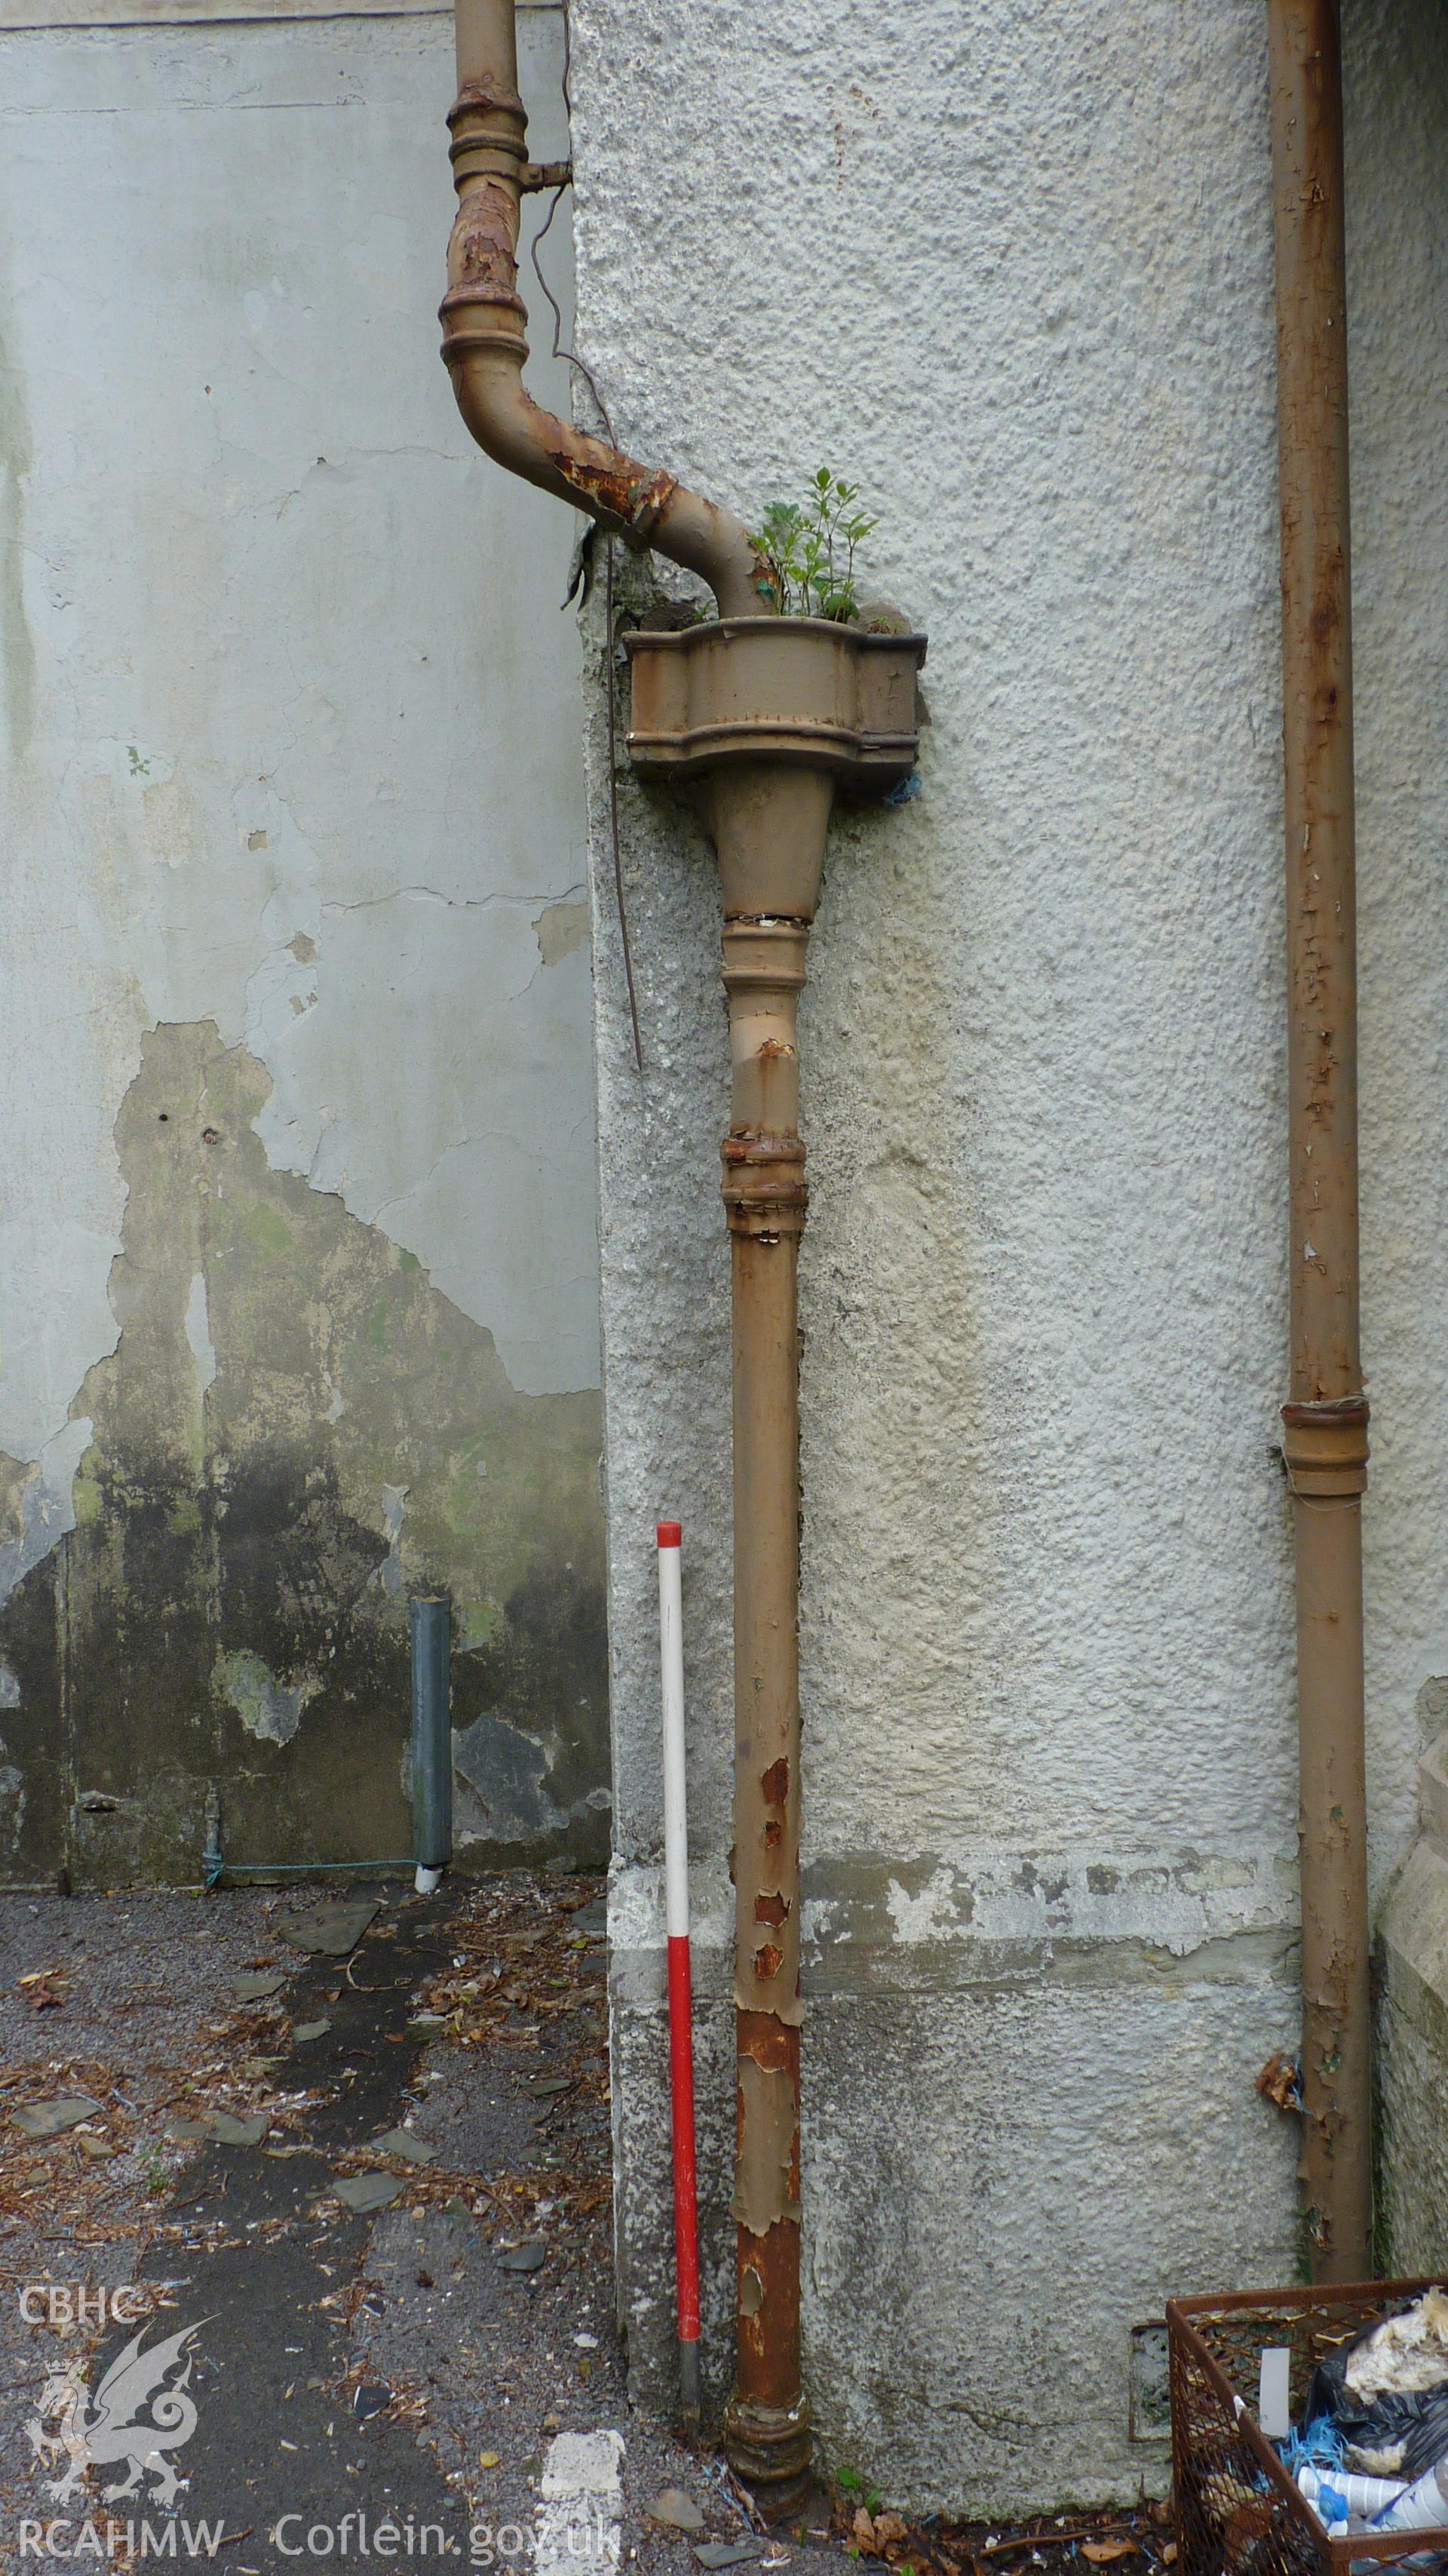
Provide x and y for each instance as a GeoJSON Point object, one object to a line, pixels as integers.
{"type": "Point", "coordinates": [1318, 2446]}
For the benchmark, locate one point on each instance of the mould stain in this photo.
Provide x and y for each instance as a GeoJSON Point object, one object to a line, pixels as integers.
{"type": "Point", "coordinates": [207, 1572]}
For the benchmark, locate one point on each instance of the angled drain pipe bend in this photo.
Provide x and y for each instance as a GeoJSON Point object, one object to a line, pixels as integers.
{"type": "Point", "coordinates": [1325, 1444]}
{"type": "Point", "coordinates": [485, 342]}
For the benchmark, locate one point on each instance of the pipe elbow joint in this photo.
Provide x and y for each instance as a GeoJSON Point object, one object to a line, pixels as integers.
{"type": "Point", "coordinates": [485, 357]}
{"type": "Point", "coordinates": [485, 348]}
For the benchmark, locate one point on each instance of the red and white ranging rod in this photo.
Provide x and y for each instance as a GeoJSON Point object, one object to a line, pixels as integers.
{"type": "Point", "coordinates": [676, 1924]}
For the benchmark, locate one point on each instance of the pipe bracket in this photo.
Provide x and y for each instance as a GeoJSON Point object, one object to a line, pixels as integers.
{"type": "Point", "coordinates": [1325, 1448]}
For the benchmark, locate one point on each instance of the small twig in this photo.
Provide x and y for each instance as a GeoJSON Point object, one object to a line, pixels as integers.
{"type": "Point", "coordinates": [1049, 2539]}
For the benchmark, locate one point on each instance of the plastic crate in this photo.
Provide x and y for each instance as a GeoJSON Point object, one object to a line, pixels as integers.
{"type": "Point", "coordinates": [1238, 2512]}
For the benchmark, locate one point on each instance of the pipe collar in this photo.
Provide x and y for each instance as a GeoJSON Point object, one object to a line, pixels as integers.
{"type": "Point", "coordinates": [1325, 1448]}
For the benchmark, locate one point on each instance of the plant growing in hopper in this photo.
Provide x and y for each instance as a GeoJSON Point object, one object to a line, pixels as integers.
{"type": "Point", "coordinates": [805, 551]}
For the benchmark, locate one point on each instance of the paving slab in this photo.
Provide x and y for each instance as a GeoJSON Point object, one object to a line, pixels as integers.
{"type": "Point", "coordinates": [330, 1929]}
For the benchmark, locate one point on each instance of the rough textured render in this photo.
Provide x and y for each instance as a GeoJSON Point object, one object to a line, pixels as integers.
{"type": "Point", "coordinates": [1009, 268]}
{"type": "Point", "coordinates": [298, 1268]}
{"type": "Point", "coordinates": [1413, 2026]}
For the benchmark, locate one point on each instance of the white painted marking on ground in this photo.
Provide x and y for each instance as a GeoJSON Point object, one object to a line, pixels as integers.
{"type": "Point", "coordinates": [580, 2494]}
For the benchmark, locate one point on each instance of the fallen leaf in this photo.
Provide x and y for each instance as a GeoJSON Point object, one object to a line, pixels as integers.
{"type": "Point", "coordinates": [487, 2459]}
{"type": "Point", "coordinates": [889, 2527]}
{"type": "Point", "coordinates": [1102, 2552]}
{"type": "Point", "coordinates": [863, 2527]}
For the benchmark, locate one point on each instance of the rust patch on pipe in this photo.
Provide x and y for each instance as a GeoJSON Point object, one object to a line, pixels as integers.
{"type": "Point", "coordinates": [767, 1959]}
{"type": "Point", "coordinates": [485, 91]}
{"type": "Point", "coordinates": [771, 1909]}
{"type": "Point", "coordinates": [611, 482]}
{"type": "Point", "coordinates": [481, 251]}
{"type": "Point", "coordinates": [775, 1782]}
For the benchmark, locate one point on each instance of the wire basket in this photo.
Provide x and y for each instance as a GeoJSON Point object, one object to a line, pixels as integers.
{"type": "Point", "coordinates": [1238, 2512]}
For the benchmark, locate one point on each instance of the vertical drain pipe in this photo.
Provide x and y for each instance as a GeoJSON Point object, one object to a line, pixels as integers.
{"type": "Point", "coordinates": [430, 1625]}
{"type": "Point", "coordinates": [765, 716]}
{"type": "Point", "coordinates": [768, 2425]}
{"type": "Point", "coordinates": [1325, 1421]}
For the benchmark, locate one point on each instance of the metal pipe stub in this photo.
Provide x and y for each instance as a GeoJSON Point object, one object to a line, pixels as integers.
{"type": "Point", "coordinates": [430, 1630]}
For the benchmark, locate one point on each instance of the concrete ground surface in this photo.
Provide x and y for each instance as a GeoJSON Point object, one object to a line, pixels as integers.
{"type": "Point", "coordinates": [318, 2265]}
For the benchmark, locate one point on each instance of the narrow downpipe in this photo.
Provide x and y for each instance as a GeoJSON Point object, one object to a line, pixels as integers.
{"type": "Point", "coordinates": [767, 2429]}
{"type": "Point", "coordinates": [430, 1625]}
{"type": "Point", "coordinates": [1325, 1421]}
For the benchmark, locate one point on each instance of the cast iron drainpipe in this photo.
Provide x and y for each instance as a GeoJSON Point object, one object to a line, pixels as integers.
{"type": "Point", "coordinates": [766, 716]}
{"type": "Point", "coordinates": [1326, 1419]}
{"type": "Point", "coordinates": [485, 338]}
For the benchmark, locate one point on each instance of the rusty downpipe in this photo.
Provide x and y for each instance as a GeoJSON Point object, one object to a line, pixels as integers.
{"type": "Point", "coordinates": [763, 721]}
{"type": "Point", "coordinates": [761, 718]}
{"type": "Point", "coordinates": [485, 345]}
{"type": "Point", "coordinates": [1325, 1421]}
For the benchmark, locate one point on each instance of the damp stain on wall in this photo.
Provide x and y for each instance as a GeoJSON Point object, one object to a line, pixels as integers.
{"type": "Point", "coordinates": [207, 1593]}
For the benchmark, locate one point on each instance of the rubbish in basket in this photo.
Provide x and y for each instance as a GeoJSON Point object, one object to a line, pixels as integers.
{"type": "Point", "coordinates": [1421, 2507]}
{"type": "Point", "coordinates": [1387, 2392]}
{"type": "Point", "coordinates": [1251, 2505]}
{"type": "Point", "coordinates": [1336, 2496]}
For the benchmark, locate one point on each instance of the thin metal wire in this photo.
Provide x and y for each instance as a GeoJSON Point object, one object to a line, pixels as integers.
{"type": "Point", "coordinates": [608, 652]}
{"type": "Point", "coordinates": [570, 356]}
{"type": "Point", "coordinates": [573, 360]}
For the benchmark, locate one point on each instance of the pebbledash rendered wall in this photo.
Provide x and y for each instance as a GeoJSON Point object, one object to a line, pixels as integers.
{"type": "Point", "coordinates": [1008, 267]}
{"type": "Point", "coordinates": [298, 1269]}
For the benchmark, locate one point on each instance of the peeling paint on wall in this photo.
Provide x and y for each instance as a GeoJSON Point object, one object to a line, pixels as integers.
{"type": "Point", "coordinates": [208, 1569]}
{"type": "Point", "coordinates": [267, 1708]}
{"type": "Point", "coordinates": [561, 928]}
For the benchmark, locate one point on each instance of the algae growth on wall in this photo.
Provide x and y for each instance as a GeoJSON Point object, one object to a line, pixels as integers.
{"type": "Point", "coordinates": [295, 1428]}
{"type": "Point", "coordinates": [298, 1267]}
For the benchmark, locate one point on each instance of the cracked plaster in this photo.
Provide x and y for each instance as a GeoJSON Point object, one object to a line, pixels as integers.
{"type": "Point", "coordinates": [275, 632]}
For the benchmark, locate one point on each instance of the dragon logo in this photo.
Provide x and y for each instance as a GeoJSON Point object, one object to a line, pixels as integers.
{"type": "Point", "coordinates": [136, 2415]}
